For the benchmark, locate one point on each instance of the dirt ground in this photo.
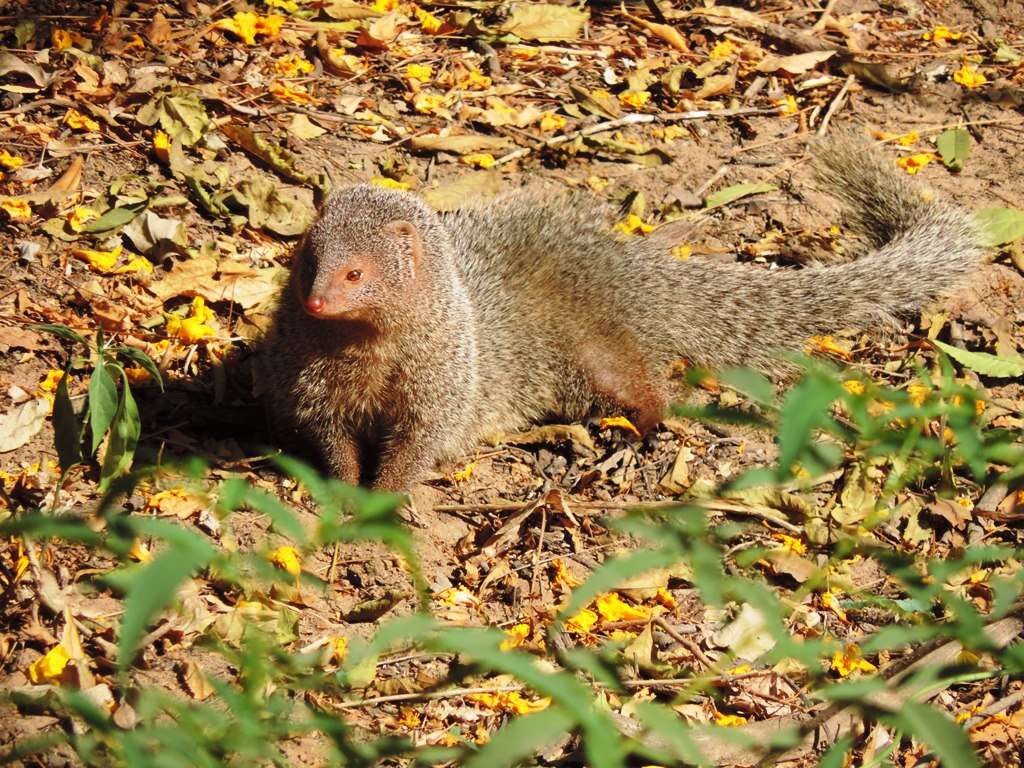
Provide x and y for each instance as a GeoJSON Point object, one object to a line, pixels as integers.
{"type": "Point", "coordinates": [468, 530]}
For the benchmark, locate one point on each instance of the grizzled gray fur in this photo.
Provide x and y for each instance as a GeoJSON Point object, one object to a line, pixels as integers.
{"type": "Point", "coordinates": [407, 336]}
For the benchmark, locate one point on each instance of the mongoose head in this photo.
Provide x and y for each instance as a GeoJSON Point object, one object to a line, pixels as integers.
{"type": "Point", "coordinates": [363, 256]}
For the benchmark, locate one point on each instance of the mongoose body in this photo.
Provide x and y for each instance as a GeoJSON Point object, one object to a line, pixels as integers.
{"type": "Point", "coordinates": [407, 336]}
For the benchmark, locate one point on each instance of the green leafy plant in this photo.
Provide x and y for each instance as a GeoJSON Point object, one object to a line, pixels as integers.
{"type": "Point", "coordinates": [110, 412]}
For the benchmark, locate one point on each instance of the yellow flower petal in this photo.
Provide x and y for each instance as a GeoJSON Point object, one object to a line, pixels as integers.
{"type": "Point", "coordinates": [420, 72]}
{"type": "Point", "coordinates": [287, 559]}
{"type": "Point", "coordinates": [386, 183]}
{"type": "Point", "coordinates": [611, 607]}
{"type": "Point", "coordinates": [729, 721]}
{"type": "Point", "coordinates": [99, 261]}
{"type": "Point", "coordinates": [428, 21]}
{"type": "Point", "coordinates": [724, 50]}
{"type": "Point", "coordinates": [969, 77]}
{"type": "Point", "coordinates": [478, 160]}
{"type": "Point", "coordinates": [635, 99]}
{"type": "Point", "coordinates": [620, 422]}
{"type": "Point", "coordinates": [17, 210]}
{"type": "Point", "coordinates": [292, 65]}
{"type": "Point", "coordinates": [632, 225]}
{"type": "Point", "coordinates": [517, 635]}
{"type": "Point", "coordinates": [914, 163]}
{"type": "Point", "coordinates": [80, 122]}
{"type": "Point", "coordinates": [582, 622]}
{"type": "Point", "coordinates": [296, 94]}
{"type": "Point", "coordinates": [551, 122]}
{"type": "Point", "coordinates": [49, 668]}
{"type": "Point", "coordinates": [9, 161]}
{"type": "Point", "coordinates": [849, 662]}
{"type": "Point", "coordinates": [79, 217]}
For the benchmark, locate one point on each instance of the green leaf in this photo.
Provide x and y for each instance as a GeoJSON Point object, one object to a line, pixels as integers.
{"type": "Point", "coordinates": [140, 357]}
{"type": "Point", "coordinates": [59, 330]}
{"type": "Point", "coordinates": [67, 430]}
{"type": "Point", "coordinates": [984, 363]}
{"type": "Point", "coordinates": [151, 588]}
{"type": "Point", "coordinates": [836, 755]}
{"type": "Point", "coordinates": [754, 385]}
{"type": "Point", "coordinates": [954, 145]}
{"type": "Point", "coordinates": [806, 409]}
{"type": "Point", "coordinates": [735, 192]}
{"type": "Point", "coordinates": [102, 403]}
{"type": "Point", "coordinates": [114, 218]}
{"type": "Point", "coordinates": [124, 437]}
{"type": "Point", "coordinates": [946, 738]}
{"type": "Point", "coordinates": [521, 738]}
{"type": "Point", "coordinates": [237, 491]}
{"type": "Point", "coordinates": [675, 732]}
{"type": "Point", "coordinates": [1000, 225]}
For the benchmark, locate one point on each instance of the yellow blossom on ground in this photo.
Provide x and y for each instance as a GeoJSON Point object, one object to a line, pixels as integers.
{"type": "Point", "coordinates": [551, 122]}
{"type": "Point", "coordinates": [194, 327]}
{"type": "Point", "coordinates": [79, 217]}
{"type": "Point", "coordinates": [790, 544]}
{"type": "Point", "coordinates": [80, 122]}
{"type": "Point", "coordinates": [161, 146]}
{"type": "Point", "coordinates": [632, 225]}
{"type": "Point", "coordinates": [474, 80]}
{"type": "Point", "coordinates": [914, 163]}
{"type": "Point", "coordinates": [287, 559]}
{"type": "Point", "coordinates": [597, 183]}
{"type": "Point", "coordinates": [9, 161]}
{"type": "Point", "coordinates": [478, 160]}
{"type": "Point", "coordinates": [420, 72]}
{"type": "Point", "coordinates": [428, 102]}
{"type": "Point", "coordinates": [665, 598]}
{"type": "Point", "coordinates": [137, 374]}
{"type": "Point", "coordinates": [635, 99]}
{"type": "Point", "coordinates": [828, 600]}
{"type": "Point", "coordinates": [99, 261]}
{"type": "Point", "coordinates": [969, 77]}
{"type": "Point", "coordinates": [48, 386]}
{"type": "Point", "coordinates": [827, 345]}
{"type": "Point", "coordinates": [723, 50]}
{"type": "Point", "coordinates": [788, 105]}
{"type": "Point", "coordinates": [385, 6]}
{"type": "Point", "coordinates": [17, 210]}
{"type": "Point", "coordinates": [582, 622]}
{"type": "Point", "coordinates": [465, 473]}
{"type": "Point", "coordinates": [292, 65]}
{"type": "Point", "coordinates": [247, 25]}
{"type": "Point", "coordinates": [848, 662]}
{"type": "Point", "coordinates": [619, 422]}
{"type": "Point", "coordinates": [517, 635]}
{"type": "Point", "coordinates": [408, 718]}
{"type": "Point", "coordinates": [908, 139]}
{"type": "Point", "coordinates": [428, 21]}
{"type": "Point", "coordinates": [386, 183]}
{"type": "Point", "coordinates": [339, 648]}
{"type": "Point", "coordinates": [854, 387]}
{"type": "Point", "coordinates": [49, 668]}
{"type": "Point", "coordinates": [512, 702]}
{"type": "Point", "coordinates": [682, 251]}
{"type": "Point", "coordinates": [669, 132]}
{"type": "Point", "coordinates": [135, 264]}
{"type": "Point", "coordinates": [729, 721]}
{"type": "Point", "coordinates": [139, 552]}
{"type": "Point", "coordinates": [918, 394]}
{"type": "Point", "coordinates": [290, 6]}
{"type": "Point", "coordinates": [940, 34]}
{"type": "Point", "coordinates": [562, 576]}
{"type": "Point", "coordinates": [61, 39]}
{"type": "Point", "coordinates": [135, 43]}
{"type": "Point", "coordinates": [296, 94]}
{"type": "Point", "coordinates": [611, 607]}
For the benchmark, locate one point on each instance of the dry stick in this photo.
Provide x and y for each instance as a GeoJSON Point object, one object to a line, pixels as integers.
{"type": "Point", "coordinates": [635, 118]}
{"type": "Point", "coordinates": [836, 104]}
{"type": "Point", "coordinates": [686, 642]}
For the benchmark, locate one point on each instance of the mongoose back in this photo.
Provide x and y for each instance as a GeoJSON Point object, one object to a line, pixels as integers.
{"type": "Point", "coordinates": [406, 336]}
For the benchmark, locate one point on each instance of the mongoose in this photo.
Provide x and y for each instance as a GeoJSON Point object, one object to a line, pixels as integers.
{"type": "Point", "coordinates": [406, 336]}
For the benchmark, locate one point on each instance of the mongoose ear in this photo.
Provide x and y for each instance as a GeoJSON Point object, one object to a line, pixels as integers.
{"type": "Point", "coordinates": [407, 231]}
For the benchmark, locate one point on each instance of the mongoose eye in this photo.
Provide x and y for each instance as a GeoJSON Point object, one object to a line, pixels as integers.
{"type": "Point", "coordinates": [354, 276]}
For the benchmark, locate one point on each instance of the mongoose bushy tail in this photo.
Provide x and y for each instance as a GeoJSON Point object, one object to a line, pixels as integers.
{"type": "Point", "coordinates": [407, 336]}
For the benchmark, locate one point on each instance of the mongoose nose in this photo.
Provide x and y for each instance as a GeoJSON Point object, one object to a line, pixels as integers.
{"type": "Point", "coordinates": [315, 305]}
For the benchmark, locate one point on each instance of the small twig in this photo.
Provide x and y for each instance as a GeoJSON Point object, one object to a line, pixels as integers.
{"type": "Point", "coordinates": [836, 104]}
{"type": "Point", "coordinates": [686, 642]}
{"type": "Point", "coordinates": [540, 547]}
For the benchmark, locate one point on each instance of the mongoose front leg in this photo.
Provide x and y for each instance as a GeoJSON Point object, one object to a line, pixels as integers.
{"type": "Point", "coordinates": [405, 458]}
{"type": "Point", "coordinates": [342, 456]}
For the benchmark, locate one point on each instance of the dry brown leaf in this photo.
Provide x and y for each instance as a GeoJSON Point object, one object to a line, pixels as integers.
{"type": "Point", "coordinates": [239, 283]}
{"type": "Point", "coordinates": [796, 64]}
{"type": "Point", "coordinates": [195, 681]}
{"type": "Point", "coordinates": [460, 144]}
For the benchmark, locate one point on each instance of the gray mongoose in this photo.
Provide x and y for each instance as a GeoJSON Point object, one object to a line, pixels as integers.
{"type": "Point", "coordinates": [406, 336]}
